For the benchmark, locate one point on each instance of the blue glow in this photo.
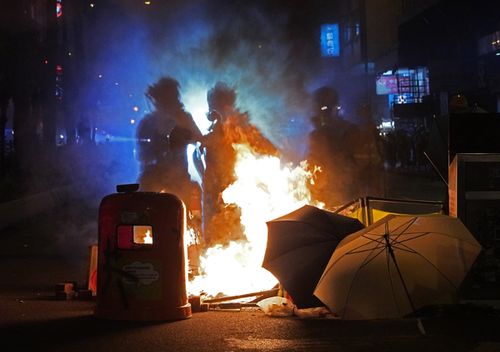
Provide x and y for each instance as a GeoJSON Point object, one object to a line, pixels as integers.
{"type": "Point", "coordinates": [330, 43]}
{"type": "Point", "coordinates": [191, 151]}
{"type": "Point", "coordinates": [195, 100]}
{"type": "Point", "coordinates": [134, 50]}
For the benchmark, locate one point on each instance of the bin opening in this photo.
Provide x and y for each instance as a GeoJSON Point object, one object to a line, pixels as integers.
{"type": "Point", "coordinates": [134, 236]}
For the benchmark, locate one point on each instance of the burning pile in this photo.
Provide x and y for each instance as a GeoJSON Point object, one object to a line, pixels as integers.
{"type": "Point", "coordinates": [264, 189]}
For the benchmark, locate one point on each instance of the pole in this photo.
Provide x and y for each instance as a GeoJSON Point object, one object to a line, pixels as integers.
{"type": "Point", "coordinates": [436, 169]}
{"type": "Point", "coordinates": [393, 257]}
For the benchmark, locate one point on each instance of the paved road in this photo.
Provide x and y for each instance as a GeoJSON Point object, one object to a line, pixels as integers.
{"type": "Point", "coordinates": [34, 322]}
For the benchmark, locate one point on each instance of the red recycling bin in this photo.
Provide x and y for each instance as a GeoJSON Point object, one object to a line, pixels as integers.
{"type": "Point", "coordinates": [141, 271]}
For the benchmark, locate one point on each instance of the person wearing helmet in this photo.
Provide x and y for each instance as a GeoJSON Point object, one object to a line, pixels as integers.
{"type": "Point", "coordinates": [163, 136]}
{"type": "Point", "coordinates": [330, 153]}
{"type": "Point", "coordinates": [229, 128]}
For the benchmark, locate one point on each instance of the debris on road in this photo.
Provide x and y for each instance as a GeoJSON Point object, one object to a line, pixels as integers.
{"type": "Point", "coordinates": [259, 296]}
{"type": "Point", "coordinates": [65, 291]}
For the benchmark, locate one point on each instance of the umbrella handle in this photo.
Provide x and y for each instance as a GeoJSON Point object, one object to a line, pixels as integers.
{"type": "Point", "coordinates": [393, 257]}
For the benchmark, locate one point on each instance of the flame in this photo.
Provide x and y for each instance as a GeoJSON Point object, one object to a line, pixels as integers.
{"type": "Point", "coordinates": [148, 239]}
{"type": "Point", "coordinates": [264, 190]}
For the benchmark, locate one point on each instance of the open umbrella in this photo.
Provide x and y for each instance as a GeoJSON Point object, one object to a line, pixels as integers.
{"type": "Point", "coordinates": [299, 246]}
{"type": "Point", "coordinates": [397, 265]}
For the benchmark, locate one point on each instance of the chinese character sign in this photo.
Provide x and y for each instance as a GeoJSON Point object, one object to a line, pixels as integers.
{"type": "Point", "coordinates": [330, 43]}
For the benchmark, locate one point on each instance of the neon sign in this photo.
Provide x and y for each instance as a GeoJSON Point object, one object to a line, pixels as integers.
{"type": "Point", "coordinates": [330, 43]}
{"type": "Point", "coordinates": [59, 11]}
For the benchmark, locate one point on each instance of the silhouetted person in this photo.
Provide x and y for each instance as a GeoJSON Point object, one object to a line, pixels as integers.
{"type": "Point", "coordinates": [420, 142]}
{"type": "Point", "coordinates": [229, 127]}
{"type": "Point", "coordinates": [163, 136]}
{"type": "Point", "coordinates": [403, 148]}
{"type": "Point", "coordinates": [389, 150]}
{"type": "Point", "coordinates": [367, 155]}
{"type": "Point", "coordinates": [331, 149]}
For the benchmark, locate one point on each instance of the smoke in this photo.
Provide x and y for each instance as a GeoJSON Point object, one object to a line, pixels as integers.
{"type": "Point", "coordinates": [266, 50]}
{"type": "Point", "coordinates": [248, 46]}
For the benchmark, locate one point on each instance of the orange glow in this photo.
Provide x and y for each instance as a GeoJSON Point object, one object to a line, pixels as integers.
{"type": "Point", "coordinates": [148, 239]}
{"type": "Point", "coordinates": [264, 189]}
{"type": "Point", "coordinates": [143, 234]}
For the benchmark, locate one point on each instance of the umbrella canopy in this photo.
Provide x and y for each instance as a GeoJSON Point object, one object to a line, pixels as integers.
{"type": "Point", "coordinates": [372, 209]}
{"type": "Point", "coordinates": [299, 246]}
{"type": "Point", "coordinates": [397, 265]}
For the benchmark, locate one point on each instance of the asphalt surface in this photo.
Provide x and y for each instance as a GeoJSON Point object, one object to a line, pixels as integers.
{"type": "Point", "coordinates": [53, 247]}
{"type": "Point", "coordinates": [31, 321]}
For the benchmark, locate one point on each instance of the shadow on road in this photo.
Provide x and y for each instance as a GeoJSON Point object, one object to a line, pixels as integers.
{"type": "Point", "coordinates": [50, 334]}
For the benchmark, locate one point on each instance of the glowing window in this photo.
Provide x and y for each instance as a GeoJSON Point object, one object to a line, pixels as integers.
{"type": "Point", "coordinates": [133, 236]}
{"type": "Point", "coordinates": [143, 234]}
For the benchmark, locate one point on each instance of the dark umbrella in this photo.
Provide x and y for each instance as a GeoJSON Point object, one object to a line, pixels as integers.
{"type": "Point", "coordinates": [299, 246]}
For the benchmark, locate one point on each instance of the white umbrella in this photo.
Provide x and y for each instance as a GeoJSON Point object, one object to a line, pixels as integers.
{"type": "Point", "coordinates": [397, 265]}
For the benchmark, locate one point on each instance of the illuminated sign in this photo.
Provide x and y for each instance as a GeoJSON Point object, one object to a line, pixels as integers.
{"type": "Point", "coordinates": [330, 43]}
{"type": "Point", "coordinates": [387, 84]}
{"type": "Point", "coordinates": [59, 8]}
{"type": "Point", "coordinates": [404, 85]}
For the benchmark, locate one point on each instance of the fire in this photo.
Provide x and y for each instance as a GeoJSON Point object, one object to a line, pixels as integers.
{"type": "Point", "coordinates": [148, 239]}
{"type": "Point", "coordinates": [264, 189]}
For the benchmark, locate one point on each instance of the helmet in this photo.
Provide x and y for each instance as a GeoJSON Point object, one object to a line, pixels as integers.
{"type": "Point", "coordinates": [220, 97]}
{"type": "Point", "coordinates": [164, 92]}
{"type": "Point", "coordinates": [326, 98]}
